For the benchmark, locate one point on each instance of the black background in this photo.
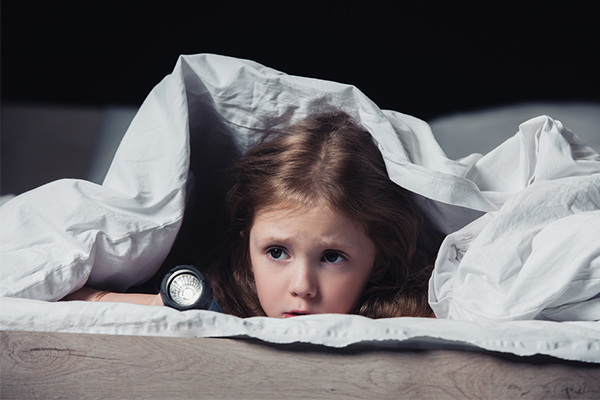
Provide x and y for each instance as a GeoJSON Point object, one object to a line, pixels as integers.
{"type": "Point", "coordinates": [423, 59]}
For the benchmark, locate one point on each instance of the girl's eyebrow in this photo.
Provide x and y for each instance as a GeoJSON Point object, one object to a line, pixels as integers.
{"type": "Point", "coordinates": [333, 244]}
{"type": "Point", "coordinates": [268, 238]}
{"type": "Point", "coordinates": [337, 244]}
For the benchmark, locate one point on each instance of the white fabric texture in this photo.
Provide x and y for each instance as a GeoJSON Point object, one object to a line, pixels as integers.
{"type": "Point", "coordinates": [538, 256]}
{"type": "Point", "coordinates": [522, 215]}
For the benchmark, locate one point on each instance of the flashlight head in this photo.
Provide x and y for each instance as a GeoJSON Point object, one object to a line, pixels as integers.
{"type": "Point", "coordinates": [185, 288]}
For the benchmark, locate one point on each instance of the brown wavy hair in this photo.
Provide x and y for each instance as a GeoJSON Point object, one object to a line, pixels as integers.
{"type": "Point", "coordinates": [330, 158]}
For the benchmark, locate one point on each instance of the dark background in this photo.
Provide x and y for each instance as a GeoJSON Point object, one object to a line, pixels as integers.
{"type": "Point", "coordinates": [425, 60]}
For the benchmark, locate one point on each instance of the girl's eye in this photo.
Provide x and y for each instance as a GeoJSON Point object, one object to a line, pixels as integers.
{"type": "Point", "coordinates": [333, 257]}
{"type": "Point", "coordinates": [277, 253]}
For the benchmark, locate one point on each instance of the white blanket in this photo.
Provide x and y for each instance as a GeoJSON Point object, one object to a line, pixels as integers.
{"type": "Point", "coordinates": [523, 228]}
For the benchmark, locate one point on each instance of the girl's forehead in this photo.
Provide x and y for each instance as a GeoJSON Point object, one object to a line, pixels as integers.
{"type": "Point", "coordinates": [288, 208]}
{"type": "Point", "coordinates": [319, 215]}
{"type": "Point", "coordinates": [282, 211]}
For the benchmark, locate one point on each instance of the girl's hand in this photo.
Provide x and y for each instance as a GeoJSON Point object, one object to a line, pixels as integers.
{"type": "Point", "coordinates": [89, 294]}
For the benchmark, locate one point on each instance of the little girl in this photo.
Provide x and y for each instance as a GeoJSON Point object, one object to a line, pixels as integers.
{"type": "Point", "coordinates": [317, 226]}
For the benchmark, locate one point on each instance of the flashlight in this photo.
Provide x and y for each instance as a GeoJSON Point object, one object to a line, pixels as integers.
{"type": "Point", "coordinates": [184, 288]}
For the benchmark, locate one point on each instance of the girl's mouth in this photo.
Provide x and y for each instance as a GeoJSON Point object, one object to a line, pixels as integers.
{"type": "Point", "coordinates": [294, 314]}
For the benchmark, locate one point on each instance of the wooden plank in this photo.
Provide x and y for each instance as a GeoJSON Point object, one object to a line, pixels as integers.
{"type": "Point", "coordinates": [76, 366]}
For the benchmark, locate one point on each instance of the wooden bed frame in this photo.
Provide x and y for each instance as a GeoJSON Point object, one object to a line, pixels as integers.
{"type": "Point", "coordinates": [76, 366]}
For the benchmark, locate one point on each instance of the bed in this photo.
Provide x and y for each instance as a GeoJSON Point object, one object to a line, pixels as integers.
{"type": "Point", "coordinates": [524, 340]}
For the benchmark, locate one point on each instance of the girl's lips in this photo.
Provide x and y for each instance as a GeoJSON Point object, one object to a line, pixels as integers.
{"type": "Point", "coordinates": [294, 314]}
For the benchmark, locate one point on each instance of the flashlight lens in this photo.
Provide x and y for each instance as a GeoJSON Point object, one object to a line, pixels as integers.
{"type": "Point", "coordinates": [185, 289]}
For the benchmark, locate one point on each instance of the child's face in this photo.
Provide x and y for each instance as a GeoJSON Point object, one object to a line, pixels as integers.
{"type": "Point", "coordinates": [309, 261]}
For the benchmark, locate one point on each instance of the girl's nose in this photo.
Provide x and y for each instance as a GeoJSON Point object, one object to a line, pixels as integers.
{"type": "Point", "coordinates": [303, 283]}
